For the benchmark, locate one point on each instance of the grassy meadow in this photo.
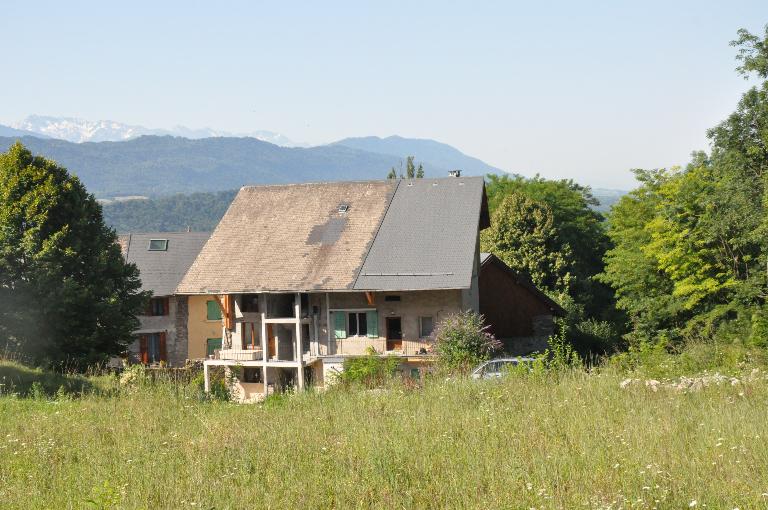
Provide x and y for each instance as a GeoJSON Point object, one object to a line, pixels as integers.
{"type": "Point", "coordinates": [559, 440]}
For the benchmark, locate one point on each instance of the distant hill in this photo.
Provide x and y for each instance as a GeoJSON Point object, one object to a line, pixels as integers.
{"type": "Point", "coordinates": [607, 197]}
{"type": "Point", "coordinates": [164, 165]}
{"type": "Point", "coordinates": [81, 130]}
{"type": "Point", "coordinates": [436, 153]}
{"type": "Point", "coordinates": [200, 212]}
{"type": "Point", "coordinates": [9, 131]}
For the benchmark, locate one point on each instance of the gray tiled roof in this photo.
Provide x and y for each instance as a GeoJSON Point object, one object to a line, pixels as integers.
{"type": "Point", "coordinates": [429, 236]}
{"type": "Point", "coordinates": [161, 271]}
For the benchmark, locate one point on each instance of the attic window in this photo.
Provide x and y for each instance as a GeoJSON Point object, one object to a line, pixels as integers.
{"type": "Point", "coordinates": [158, 245]}
{"type": "Point", "coordinates": [343, 208]}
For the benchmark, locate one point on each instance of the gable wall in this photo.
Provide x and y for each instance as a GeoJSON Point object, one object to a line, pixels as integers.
{"type": "Point", "coordinates": [510, 309]}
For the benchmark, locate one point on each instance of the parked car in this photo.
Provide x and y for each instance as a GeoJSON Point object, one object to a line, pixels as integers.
{"type": "Point", "coordinates": [498, 367]}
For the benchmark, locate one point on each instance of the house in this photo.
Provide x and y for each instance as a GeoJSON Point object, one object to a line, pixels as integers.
{"type": "Point", "coordinates": [173, 328]}
{"type": "Point", "coordinates": [307, 275]}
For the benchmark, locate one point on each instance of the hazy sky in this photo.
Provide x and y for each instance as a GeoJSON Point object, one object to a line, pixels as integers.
{"type": "Point", "coordinates": [585, 90]}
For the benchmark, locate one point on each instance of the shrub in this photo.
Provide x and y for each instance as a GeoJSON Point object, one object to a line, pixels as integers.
{"type": "Point", "coordinates": [759, 334]}
{"type": "Point", "coordinates": [371, 370]}
{"type": "Point", "coordinates": [462, 341]}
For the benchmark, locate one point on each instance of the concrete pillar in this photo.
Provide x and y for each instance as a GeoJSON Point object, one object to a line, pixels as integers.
{"type": "Point", "coordinates": [207, 378]}
{"type": "Point", "coordinates": [264, 350]}
{"type": "Point", "coordinates": [299, 350]}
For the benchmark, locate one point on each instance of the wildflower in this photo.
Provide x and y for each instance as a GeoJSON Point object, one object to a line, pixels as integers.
{"type": "Point", "coordinates": [693, 504]}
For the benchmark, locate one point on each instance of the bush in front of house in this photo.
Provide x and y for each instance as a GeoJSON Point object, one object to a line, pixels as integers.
{"type": "Point", "coordinates": [462, 341]}
{"type": "Point", "coordinates": [370, 370]}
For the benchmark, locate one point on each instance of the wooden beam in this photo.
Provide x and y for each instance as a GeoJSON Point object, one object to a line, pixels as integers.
{"type": "Point", "coordinates": [226, 306]}
{"type": "Point", "coordinates": [369, 298]}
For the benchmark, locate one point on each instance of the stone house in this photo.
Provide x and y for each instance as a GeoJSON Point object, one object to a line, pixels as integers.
{"type": "Point", "coordinates": [307, 275]}
{"type": "Point", "coordinates": [164, 335]}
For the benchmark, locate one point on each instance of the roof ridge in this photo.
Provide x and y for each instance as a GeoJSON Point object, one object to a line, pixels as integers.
{"type": "Point", "coordinates": [375, 235]}
{"type": "Point", "coordinates": [361, 181]}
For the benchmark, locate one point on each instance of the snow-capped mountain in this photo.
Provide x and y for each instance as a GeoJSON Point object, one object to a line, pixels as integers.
{"type": "Point", "coordinates": [82, 130]}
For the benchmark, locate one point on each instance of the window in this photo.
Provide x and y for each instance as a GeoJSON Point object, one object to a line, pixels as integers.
{"type": "Point", "coordinates": [211, 344]}
{"type": "Point", "coordinates": [426, 326]}
{"type": "Point", "coordinates": [213, 311]}
{"type": "Point", "coordinates": [357, 324]}
{"type": "Point", "coordinates": [152, 348]}
{"type": "Point", "coordinates": [158, 306]}
{"type": "Point", "coordinates": [391, 298]}
{"type": "Point", "coordinates": [158, 245]}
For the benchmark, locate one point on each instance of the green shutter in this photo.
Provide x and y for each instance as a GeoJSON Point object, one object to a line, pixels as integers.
{"type": "Point", "coordinates": [372, 318]}
{"type": "Point", "coordinates": [212, 344]}
{"type": "Point", "coordinates": [340, 324]}
{"type": "Point", "coordinates": [214, 312]}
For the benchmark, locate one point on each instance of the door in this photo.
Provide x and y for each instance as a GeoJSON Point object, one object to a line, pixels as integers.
{"type": "Point", "coordinates": [271, 343]}
{"type": "Point", "coordinates": [394, 334]}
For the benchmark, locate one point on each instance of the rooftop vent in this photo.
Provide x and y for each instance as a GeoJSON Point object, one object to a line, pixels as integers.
{"type": "Point", "coordinates": [158, 245]}
{"type": "Point", "coordinates": [343, 208]}
{"type": "Point", "coordinates": [454, 173]}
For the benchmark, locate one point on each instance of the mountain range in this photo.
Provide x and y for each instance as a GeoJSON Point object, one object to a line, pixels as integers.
{"type": "Point", "coordinates": [163, 165]}
{"type": "Point", "coordinates": [81, 130]}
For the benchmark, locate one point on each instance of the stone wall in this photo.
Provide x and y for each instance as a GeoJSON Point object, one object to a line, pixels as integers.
{"type": "Point", "coordinates": [174, 325]}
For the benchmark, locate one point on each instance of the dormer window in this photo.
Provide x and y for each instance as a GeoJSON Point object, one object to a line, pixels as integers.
{"type": "Point", "coordinates": [158, 245]}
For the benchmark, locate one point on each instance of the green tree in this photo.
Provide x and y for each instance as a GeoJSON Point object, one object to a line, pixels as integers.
{"type": "Point", "coordinates": [579, 233]}
{"type": "Point", "coordinates": [523, 235]}
{"type": "Point", "coordinates": [691, 245]}
{"type": "Point", "coordinates": [410, 168]}
{"type": "Point", "coordinates": [60, 267]}
{"type": "Point", "coordinates": [642, 289]}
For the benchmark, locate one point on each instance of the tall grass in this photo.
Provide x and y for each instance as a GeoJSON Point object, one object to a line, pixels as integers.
{"type": "Point", "coordinates": [569, 439]}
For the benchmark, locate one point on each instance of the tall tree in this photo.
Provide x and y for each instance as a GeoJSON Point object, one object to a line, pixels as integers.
{"type": "Point", "coordinates": [410, 168]}
{"type": "Point", "coordinates": [61, 270]}
{"type": "Point", "coordinates": [580, 231]}
{"type": "Point", "coordinates": [523, 235]}
{"type": "Point", "coordinates": [702, 231]}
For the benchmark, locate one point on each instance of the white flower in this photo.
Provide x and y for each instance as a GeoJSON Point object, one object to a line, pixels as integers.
{"type": "Point", "coordinates": [693, 504]}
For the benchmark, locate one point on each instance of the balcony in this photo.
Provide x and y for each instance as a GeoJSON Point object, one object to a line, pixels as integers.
{"type": "Point", "coordinates": [238, 354]}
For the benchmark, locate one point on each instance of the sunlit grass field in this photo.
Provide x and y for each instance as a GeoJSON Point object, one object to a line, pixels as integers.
{"type": "Point", "coordinates": [565, 440]}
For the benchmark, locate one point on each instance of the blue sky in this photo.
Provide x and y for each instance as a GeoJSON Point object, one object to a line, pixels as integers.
{"type": "Point", "coordinates": [585, 90]}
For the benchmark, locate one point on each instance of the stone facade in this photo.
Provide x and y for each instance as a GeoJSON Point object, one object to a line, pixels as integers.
{"type": "Point", "coordinates": [174, 325]}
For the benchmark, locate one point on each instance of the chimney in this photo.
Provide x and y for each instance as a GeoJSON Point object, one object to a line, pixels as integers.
{"type": "Point", "coordinates": [454, 173]}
